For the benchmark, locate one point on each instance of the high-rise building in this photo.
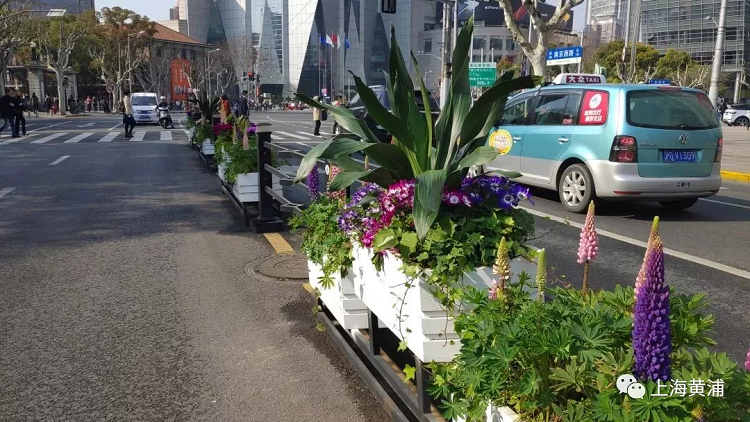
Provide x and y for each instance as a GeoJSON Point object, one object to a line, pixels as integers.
{"type": "Point", "coordinates": [71, 6]}
{"type": "Point", "coordinates": [692, 25]}
{"type": "Point", "coordinates": [606, 18]}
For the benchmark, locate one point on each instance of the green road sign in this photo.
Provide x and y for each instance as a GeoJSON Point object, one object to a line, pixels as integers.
{"type": "Point", "coordinates": [482, 74]}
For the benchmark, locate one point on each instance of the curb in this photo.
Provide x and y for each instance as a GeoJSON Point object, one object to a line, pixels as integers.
{"type": "Point", "coordinates": [735, 176]}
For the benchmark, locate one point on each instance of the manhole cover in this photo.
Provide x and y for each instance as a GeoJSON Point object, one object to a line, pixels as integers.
{"type": "Point", "coordinates": [288, 267]}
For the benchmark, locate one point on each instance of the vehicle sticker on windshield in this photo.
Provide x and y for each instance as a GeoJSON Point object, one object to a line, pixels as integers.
{"type": "Point", "coordinates": [501, 140]}
{"type": "Point", "coordinates": [594, 108]}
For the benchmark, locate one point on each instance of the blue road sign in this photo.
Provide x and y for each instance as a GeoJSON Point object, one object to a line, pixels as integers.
{"type": "Point", "coordinates": [564, 55]}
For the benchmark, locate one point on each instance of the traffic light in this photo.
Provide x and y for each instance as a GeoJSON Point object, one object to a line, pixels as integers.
{"type": "Point", "coordinates": [388, 6]}
{"type": "Point", "coordinates": [251, 76]}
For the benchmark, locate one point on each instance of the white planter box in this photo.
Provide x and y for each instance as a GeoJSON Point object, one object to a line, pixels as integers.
{"type": "Point", "coordinates": [497, 414]}
{"type": "Point", "coordinates": [247, 188]}
{"type": "Point", "coordinates": [340, 299]}
{"type": "Point", "coordinates": [207, 147]}
{"type": "Point", "coordinates": [221, 169]}
{"type": "Point", "coordinates": [416, 316]}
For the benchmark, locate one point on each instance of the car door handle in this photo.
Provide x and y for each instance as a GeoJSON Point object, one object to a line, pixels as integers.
{"type": "Point", "coordinates": [563, 140]}
{"type": "Point", "coordinates": [516, 138]}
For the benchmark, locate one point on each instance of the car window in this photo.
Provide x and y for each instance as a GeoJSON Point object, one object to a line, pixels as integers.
{"type": "Point", "coordinates": [570, 114]}
{"type": "Point", "coordinates": [420, 103]}
{"type": "Point", "coordinates": [356, 102]}
{"type": "Point", "coordinates": [550, 109]}
{"type": "Point", "coordinates": [671, 109]}
{"type": "Point", "coordinates": [516, 112]}
{"type": "Point", "coordinates": [143, 101]}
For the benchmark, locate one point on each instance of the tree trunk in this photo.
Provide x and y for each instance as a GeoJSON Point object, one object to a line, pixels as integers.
{"type": "Point", "coordinates": [60, 94]}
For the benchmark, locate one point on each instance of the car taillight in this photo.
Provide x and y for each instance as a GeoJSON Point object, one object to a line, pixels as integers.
{"type": "Point", "coordinates": [719, 148]}
{"type": "Point", "coordinates": [624, 150]}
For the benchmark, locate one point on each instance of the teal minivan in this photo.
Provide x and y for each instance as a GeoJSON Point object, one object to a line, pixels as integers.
{"type": "Point", "coordinates": [612, 141]}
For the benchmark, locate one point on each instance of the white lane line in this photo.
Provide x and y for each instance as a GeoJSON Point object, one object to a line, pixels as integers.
{"type": "Point", "coordinates": [725, 203]}
{"type": "Point", "coordinates": [305, 138]}
{"type": "Point", "coordinates": [49, 138]}
{"type": "Point", "coordinates": [137, 136]}
{"type": "Point", "coordinates": [308, 134]}
{"type": "Point", "coordinates": [47, 127]}
{"type": "Point", "coordinates": [166, 135]}
{"type": "Point", "coordinates": [723, 188]}
{"type": "Point", "coordinates": [5, 191]}
{"type": "Point", "coordinates": [109, 137]}
{"type": "Point", "coordinates": [78, 138]}
{"type": "Point", "coordinates": [276, 138]}
{"type": "Point", "coordinates": [696, 259]}
{"type": "Point", "coordinates": [59, 160]}
{"type": "Point", "coordinates": [86, 125]}
{"type": "Point", "coordinates": [116, 126]}
{"type": "Point", "coordinates": [14, 140]}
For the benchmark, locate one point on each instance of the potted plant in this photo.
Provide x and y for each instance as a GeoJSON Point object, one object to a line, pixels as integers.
{"type": "Point", "coordinates": [207, 107]}
{"type": "Point", "coordinates": [433, 230]}
{"type": "Point", "coordinates": [241, 161]}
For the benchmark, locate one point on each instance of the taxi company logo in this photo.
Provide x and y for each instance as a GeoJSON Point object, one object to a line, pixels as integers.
{"type": "Point", "coordinates": [595, 101]}
{"type": "Point", "coordinates": [501, 140]}
{"type": "Point", "coordinates": [627, 384]}
{"type": "Point", "coordinates": [683, 139]}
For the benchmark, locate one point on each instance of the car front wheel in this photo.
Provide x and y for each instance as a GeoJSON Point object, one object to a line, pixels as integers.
{"type": "Point", "coordinates": [576, 188]}
{"type": "Point", "coordinates": [680, 205]}
{"type": "Point", "coordinates": [742, 121]}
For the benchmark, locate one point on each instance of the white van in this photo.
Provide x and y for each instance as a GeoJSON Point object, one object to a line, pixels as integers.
{"type": "Point", "coordinates": [144, 107]}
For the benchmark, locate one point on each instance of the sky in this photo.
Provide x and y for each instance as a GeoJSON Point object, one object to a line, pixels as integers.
{"type": "Point", "coordinates": [158, 10]}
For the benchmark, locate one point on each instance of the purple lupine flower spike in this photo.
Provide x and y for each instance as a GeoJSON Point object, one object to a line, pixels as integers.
{"type": "Point", "coordinates": [652, 332]}
{"type": "Point", "coordinates": [313, 184]}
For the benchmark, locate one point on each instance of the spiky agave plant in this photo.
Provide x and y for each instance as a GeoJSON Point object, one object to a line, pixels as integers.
{"type": "Point", "coordinates": [206, 105]}
{"type": "Point", "coordinates": [434, 161]}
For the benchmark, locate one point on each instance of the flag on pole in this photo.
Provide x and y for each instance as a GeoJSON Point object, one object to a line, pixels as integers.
{"type": "Point", "coordinates": [322, 39]}
{"type": "Point", "coordinates": [334, 39]}
{"type": "Point", "coordinates": [346, 42]}
{"type": "Point", "coordinates": [329, 41]}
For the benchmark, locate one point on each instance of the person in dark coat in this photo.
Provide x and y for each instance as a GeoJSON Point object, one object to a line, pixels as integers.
{"type": "Point", "coordinates": [35, 104]}
{"type": "Point", "coordinates": [6, 111]}
{"type": "Point", "coordinates": [243, 108]}
{"type": "Point", "coordinates": [19, 107]}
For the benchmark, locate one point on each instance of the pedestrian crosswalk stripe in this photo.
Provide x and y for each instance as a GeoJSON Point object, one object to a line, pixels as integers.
{"type": "Point", "coordinates": [292, 135]}
{"type": "Point", "coordinates": [78, 138]}
{"type": "Point", "coordinates": [279, 138]}
{"type": "Point", "coordinates": [49, 138]}
{"type": "Point", "coordinates": [10, 141]}
{"type": "Point", "coordinates": [305, 133]}
{"type": "Point", "coordinates": [109, 137]}
{"type": "Point", "coordinates": [137, 137]}
{"type": "Point", "coordinates": [166, 135]}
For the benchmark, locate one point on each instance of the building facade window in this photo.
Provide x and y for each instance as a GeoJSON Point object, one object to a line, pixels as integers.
{"type": "Point", "coordinates": [510, 44]}
{"type": "Point", "coordinates": [496, 43]}
{"type": "Point", "coordinates": [479, 43]}
{"type": "Point", "coordinates": [428, 45]}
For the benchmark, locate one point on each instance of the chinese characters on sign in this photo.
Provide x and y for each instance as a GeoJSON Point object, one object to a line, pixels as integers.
{"type": "Point", "coordinates": [565, 55]}
{"type": "Point", "coordinates": [582, 79]}
{"type": "Point", "coordinates": [482, 74]}
{"type": "Point", "coordinates": [627, 384]}
{"type": "Point", "coordinates": [594, 109]}
{"type": "Point", "coordinates": [659, 82]}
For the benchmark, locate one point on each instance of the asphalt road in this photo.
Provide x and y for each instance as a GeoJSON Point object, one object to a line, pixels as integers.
{"type": "Point", "coordinates": [709, 244]}
{"type": "Point", "coordinates": [124, 294]}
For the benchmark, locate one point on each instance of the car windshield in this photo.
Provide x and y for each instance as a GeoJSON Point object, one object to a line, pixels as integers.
{"type": "Point", "coordinates": [143, 101]}
{"type": "Point", "coordinates": [671, 109]}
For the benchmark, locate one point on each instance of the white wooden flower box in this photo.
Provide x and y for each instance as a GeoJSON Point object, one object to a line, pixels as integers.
{"type": "Point", "coordinates": [221, 168]}
{"type": "Point", "coordinates": [416, 316]}
{"type": "Point", "coordinates": [340, 299]}
{"type": "Point", "coordinates": [207, 147]}
{"type": "Point", "coordinates": [497, 414]}
{"type": "Point", "coordinates": [247, 187]}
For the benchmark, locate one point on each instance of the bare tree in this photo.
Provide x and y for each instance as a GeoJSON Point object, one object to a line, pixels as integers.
{"type": "Point", "coordinates": [154, 73]}
{"type": "Point", "coordinates": [536, 52]}
{"type": "Point", "coordinates": [638, 76]}
{"type": "Point", "coordinates": [12, 33]}
{"type": "Point", "coordinates": [692, 76]}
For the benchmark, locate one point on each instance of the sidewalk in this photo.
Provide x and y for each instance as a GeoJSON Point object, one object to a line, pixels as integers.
{"type": "Point", "coordinates": [735, 161]}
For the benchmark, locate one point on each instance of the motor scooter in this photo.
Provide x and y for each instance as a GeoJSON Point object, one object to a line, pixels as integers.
{"type": "Point", "coordinates": [164, 118]}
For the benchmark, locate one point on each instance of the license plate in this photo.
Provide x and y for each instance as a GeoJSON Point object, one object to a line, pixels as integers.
{"type": "Point", "coordinates": [676, 156]}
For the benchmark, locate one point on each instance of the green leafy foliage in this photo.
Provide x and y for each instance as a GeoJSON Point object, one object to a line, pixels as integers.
{"type": "Point", "coordinates": [207, 106]}
{"type": "Point", "coordinates": [322, 240]}
{"type": "Point", "coordinates": [436, 156]}
{"type": "Point", "coordinates": [559, 361]}
{"type": "Point", "coordinates": [203, 132]}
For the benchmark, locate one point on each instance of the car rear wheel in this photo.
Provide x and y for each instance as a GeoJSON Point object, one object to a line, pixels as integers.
{"type": "Point", "coordinates": [680, 205]}
{"type": "Point", "coordinates": [742, 121]}
{"type": "Point", "coordinates": [576, 188]}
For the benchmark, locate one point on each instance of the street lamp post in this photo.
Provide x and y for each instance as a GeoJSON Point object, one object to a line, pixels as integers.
{"type": "Point", "coordinates": [208, 77]}
{"type": "Point", "coordinates": [713, 90]}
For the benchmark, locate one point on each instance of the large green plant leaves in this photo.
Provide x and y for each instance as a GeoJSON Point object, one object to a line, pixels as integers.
{"type": "Point", "coordinates": [428, 194]}
{"type": "Point", "coordinates": [343, 117]}
{"type": "Point", "coordinates": [379, 175]}
{"type": "Point", "coordinates": [393, 159]}
{"type": "Point", "coordinates": [327, 150]}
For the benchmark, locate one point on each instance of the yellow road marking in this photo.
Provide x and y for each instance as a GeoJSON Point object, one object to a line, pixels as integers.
{"type": "Point", "coordinates": [280, 245]}
{"type": "Point", "coordinates": [735, 176]}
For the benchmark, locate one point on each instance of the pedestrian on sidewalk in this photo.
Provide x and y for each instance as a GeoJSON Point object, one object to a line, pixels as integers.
{"type": "Point", "coordinates": [72, 104]}
{"type": "Point", "coordinates": [316, 115]}
{"type": "Point", "coordinates": [243, 108]}
{"type": "Point", "coordinates": [35, 104]}
{"type": "Point", "coordinates": [19, 107]}
{"type": "Point", "coordinates": [6, 110]}
{"type": "Point", "coordinates": [127, 114]}
{"type": "Point", "coordinates": [48, 104]}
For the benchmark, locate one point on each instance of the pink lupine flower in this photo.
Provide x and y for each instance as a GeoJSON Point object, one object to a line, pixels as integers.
{"type": "Point", "coordinates": [641, 278]}
{"type": "Point", "coordinates": [588, 246]}
{"type": "Point", "coordinates": [747, 362]}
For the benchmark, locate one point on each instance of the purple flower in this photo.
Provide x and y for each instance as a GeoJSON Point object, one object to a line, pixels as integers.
{"type": "Point", "coordinates": [652, 334]}
{"type": "Point", "coordinates": [313, 184]}
{"type": "Point", "coordinates": [588, 246]}
{"type": "Point", "coordinates": [252, 128]}
{"type": "Point", "coordinates": [747, 362]}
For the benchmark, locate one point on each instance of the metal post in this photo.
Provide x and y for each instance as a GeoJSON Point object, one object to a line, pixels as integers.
{"type": "Point", "coordinates": [372, 325]}
{"type": "Point", "coordinates": [581, 62]}
{"type": "Point", "coordinates": [713, 90]}
{"type": "Point", "coordinates": [130, 81]}
{"type": "Point", "coordinates": [455, 26]}
{"type": "Point", "coordinates": [445, 79]}
{"type": "Point", "coordinates": [636, 32]}
{"type": "Point", "coordinates": [627, 33]}
{"type": "Point", "coordinates": [266, 221]}
{"type": "Point", "coordinates": [737, 87]}
{"type": "Point", "coordinates": [423, 381]}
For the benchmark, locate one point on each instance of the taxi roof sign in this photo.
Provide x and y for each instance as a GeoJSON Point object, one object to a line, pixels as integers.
{"type": "Point", "coordinates": [579, 78]}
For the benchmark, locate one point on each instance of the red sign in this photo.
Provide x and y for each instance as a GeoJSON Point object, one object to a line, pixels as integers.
{"type": "Point", "coordinates": [180, 83]}
{"type": "Point", "coordinates": [594, 108]}
{"type": "Point", "coordinates": [583, 79]}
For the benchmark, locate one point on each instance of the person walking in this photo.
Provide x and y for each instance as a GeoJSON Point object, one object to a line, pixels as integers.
{"type": "Point", "coordinates": [48, 104]}
{"type": "Point", "coordinates": [72, 104]}
{"type": "Point", "coordinates": [19, 107]}
{"type": "Point", "coordinates": [316, 115]}
{"type": "Point", "coordinates": [243, 108]}
{"type": "Point", "coordinates": [35, 104]}
{"type": "Point", "coordinates": [6, 111]}
{"type": "Point", "coordinates": [127, 114]}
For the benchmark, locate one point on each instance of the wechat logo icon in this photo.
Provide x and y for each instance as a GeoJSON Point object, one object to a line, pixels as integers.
{"type": "Point", "coordinates": [627, 384]}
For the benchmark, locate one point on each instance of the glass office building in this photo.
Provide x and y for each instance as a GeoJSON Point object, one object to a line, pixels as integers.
{"type": "Point", "coordinates": [606, 18]}
{"type": "Point", "coordinates": [302, 45]}
{"type": "Point", "coordinates": [690, 25]}
{"type": "Point", "coordinates": [71, 6]}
